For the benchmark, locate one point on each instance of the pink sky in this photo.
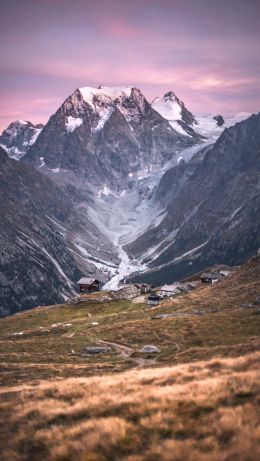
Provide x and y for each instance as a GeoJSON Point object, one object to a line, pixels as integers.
{"type": "Point", "coordinates": [207, 51]}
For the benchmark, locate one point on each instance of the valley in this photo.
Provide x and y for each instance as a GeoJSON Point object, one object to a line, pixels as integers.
{"type": "Point", "coordinates": [128, 183]}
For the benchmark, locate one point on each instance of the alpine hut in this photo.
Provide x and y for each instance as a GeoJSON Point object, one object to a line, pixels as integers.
{"type": "Point", "coordinates": [210, 278]}
{"type": "Point", "coordinates": [88, 285]}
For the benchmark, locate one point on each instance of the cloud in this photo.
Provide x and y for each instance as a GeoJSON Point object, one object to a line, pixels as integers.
{"type": "Point", "coordinates": [208, 52]}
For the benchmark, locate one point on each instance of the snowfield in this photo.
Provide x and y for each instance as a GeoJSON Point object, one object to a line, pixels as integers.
{"type": "Point", "coordinates": [72, 123]}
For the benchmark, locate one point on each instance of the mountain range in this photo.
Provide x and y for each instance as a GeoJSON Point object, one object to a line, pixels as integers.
{"type": "Point", "coordinates": [117, 187]}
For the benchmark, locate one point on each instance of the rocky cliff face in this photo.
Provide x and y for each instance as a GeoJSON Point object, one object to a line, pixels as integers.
{"type": "Point", "coordinates": [18, 137]}
{"type": "Point", "coordinates": [212, 208]}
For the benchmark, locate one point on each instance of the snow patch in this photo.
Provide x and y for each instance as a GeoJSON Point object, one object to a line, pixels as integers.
{"type": "Point", "coordinates": [105, 191]}
{"type": "Point", "coordinates": [72, 123]}
{"type": "Point", "coordinates": [42, 162]}
{"type": "Point", "coordinates": [52, 259]}
{"type": "Point", "coordinates": [35, 136]}
{"type": "Point", "coordinates": [125, 268]}
{"type": "Point", "coordinates": [13, 152]}
{"type": "Point", "coordinates": [167, 108]}
{"type": "Point", "coordinates": [190, 253]}
{"type": "Point", "coordinates": [234, 214]}
{"type": "Point", "coordinates": [105, 93]}
{"type": "Point", "coordinates": [104, 114]}
{"type": "Point", "coordinates": [178, 128]}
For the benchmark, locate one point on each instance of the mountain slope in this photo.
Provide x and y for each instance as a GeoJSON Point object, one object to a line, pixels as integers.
{"type": "Point", "coordinates": [212, 208]}
{"type": "Point", "coordinates": [40, 237]}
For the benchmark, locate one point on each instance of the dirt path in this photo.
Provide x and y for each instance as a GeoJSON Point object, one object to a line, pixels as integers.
{"type": "Point", "coordinates": [126, 352]}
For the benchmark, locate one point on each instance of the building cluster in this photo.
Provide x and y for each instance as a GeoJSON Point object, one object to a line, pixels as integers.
{"type": "Point", "coordinates": [152, 295]}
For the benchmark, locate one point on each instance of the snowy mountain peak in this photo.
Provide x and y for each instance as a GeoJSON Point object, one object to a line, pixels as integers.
{"type": "Point", "coordinates": [18, 137]}
{"type": "Point", "coordinates": [173, 109]}
{"type": "Point", "coordinates": [22, 122]}
{"type": "Point", "coordinates": [105, 93]}
{"type": "Point", "coordinates": [104, 100]}
{"type": "Point", "coordinates": [170, 95]}
{"type": "Point", "coordinates": [167, 107]}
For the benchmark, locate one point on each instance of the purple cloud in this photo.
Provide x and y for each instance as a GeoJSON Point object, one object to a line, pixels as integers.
{"type": "Point", "coordinates": [206, 51]}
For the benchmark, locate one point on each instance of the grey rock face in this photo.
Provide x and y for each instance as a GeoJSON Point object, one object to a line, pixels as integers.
{"type": "Point", "coordinates": [101, 139]}
{"type": "Point", "coordinates": [219, 119]}
{"type": "Point", "coordinates": [18, 137]}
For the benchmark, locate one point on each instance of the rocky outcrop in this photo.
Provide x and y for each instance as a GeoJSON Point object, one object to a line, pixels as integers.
{"type": "Point", "coordinates": [219, 119]}
{"type": "Point", "coordinates": [150, 349]}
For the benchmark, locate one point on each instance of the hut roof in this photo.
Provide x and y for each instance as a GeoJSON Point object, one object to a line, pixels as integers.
{"type": "Point", "coordinates": [144, 285]}
{"type": "Point", "coordinates": [210, 276]}
{"type": "Point", "coordinates": [169, 288]}
{"type": "Point", "coordinates": [87, 281]}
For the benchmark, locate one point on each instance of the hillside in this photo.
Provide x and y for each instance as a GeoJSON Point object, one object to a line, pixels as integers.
{"type": "Point", "coordinates": [39, 232]}
{"type": "Point", "coordinates": [211, 209]}
{"type": "Point", "coordinates": [49, 342]}
{"type": "Point", "coordinates": [196, 399]}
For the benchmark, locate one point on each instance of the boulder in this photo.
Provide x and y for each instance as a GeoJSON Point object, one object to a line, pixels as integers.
{"type": "Point", "coordinates": [98, 349]}
{"type": "Point", "coordinates": [150, 348]}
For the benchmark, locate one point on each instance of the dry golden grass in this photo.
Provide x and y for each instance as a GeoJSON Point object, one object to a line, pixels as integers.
{"type": "Point", "coordinates": [204, 411]}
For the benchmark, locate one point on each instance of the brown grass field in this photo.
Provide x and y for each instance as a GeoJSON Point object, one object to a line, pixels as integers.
{"type": "Point", "coordinates": [198, 399]}
{"type": "Point", "coordinates": [201, 411]}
